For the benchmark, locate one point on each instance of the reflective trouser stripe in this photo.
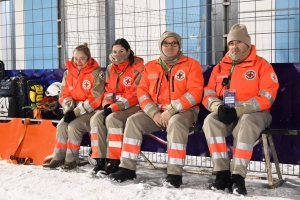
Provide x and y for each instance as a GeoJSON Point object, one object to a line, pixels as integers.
{"type": "Point", "coordinates": [114, 145]}
{"type": "Point", "coordinates": [94, 144]}
{"type": "Point", "coordinates": [174, 153]}
{"type": "Point", "coordinates": [217, 147]}
{"type": "Point", "coordinates": [131, 151]}
{"type": "Point", "coordinates": [241, 153]}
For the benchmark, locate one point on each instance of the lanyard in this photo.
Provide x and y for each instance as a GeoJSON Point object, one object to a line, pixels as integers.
{"type": "Point", "coordinates": [165, 67]}
{"type": "Point", "coordinates": [119, 75]}
{"type": "Point", "coordinates": [230, 75]}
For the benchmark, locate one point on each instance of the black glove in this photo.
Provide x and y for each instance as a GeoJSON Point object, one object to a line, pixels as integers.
{"type": "Point", "coordinates": [107, 111]}
{"type": "Point", "coordinates": [69, 116]}
{"type": "Point", "coordinates": [106, 106]}
{"type": "Point", "coordinates": [227, 114]}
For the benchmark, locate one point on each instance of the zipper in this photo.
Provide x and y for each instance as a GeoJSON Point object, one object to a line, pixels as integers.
{"type": "Point", "coordinates": [157, 83]}
{"type": "Point", "coordinates": [172, 83]}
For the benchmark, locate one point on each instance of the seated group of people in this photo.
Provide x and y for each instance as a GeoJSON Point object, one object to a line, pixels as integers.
{"type": "Point", "coordinates": [132, 99]}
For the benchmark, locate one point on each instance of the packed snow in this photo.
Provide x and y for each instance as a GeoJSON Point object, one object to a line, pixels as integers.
{"type": "Point", "coordinates": [24, 182]}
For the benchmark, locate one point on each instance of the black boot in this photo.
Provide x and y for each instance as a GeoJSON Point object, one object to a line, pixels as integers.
{"type": "Point", "coordinates": [173, 180]}
{"type": "Point", "coordinates": [222, 180]}
{"type": "Point", "coordinates": [100, 166]}
{"type": "Point", "coordinates": [238, 186]}
{"type": "Point", "coordinates": [123, 175]}
{"type": "Point", "coordinates": [53, 164]}
{"type": "Point", "coordinates": [112, 166]}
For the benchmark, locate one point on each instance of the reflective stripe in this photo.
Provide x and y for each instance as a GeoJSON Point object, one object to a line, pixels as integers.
{"type": "Point", "coordinates": [213, 140]}
{"type": "Point", "coordinates": [149, 106]}
{"type": "Point", "coordinates": [212, 99]}
{"type": "Point", "coordinates": [115, 130]}
{"type": "Point", "coordinates": [238, 103]}
{"type": "Point", "coordinates": [124, 101]}
{"type": "Point", "coordinates": [81, 108]}
{"type": "Point", "coordinates": [66, 100]}
{"type": "Point", "coordinates": [72, 151]}
{"type": "Point", "coordinates": [143, 98]}
{"type": "Point", "coordinates": [94, 130]}
{"type": "Point", "coordinates": [61, 140]}
{"type": "Point", "coordinates": [94, 143]}
{"type": "Point", "coordinates": [240, 161]}
{"type": "Point", "coordinates": [56, 150]}
{"type": "Point", "coordinates": [131, 156]}
{"type": "Point", "coordinates": [209, 92]}
{"type": "Point", "coordinates": [132, 141]}
{"type": "Point", "coordinates": [76, 142]}
{"type": "Point", "coordinates": [115, 144]}
{"type": "Point", "coordinates": [109, 95]}
{"type": "Point", "coordinates": [88, 106]}
{"type": "Point", "coordinates": [176, 161]}
{"type": "Point", "coordinates": [218, 155]}
{"type": "Point", "coordinates": [177, 146]}
{"type": "Point", "coordinates": [190, 98]}
{"type": "Point", "coordinates": [267, 95]}
{"type": "Point", "coordinates": [255, 104]}
{"type": "Point", "coordinates": [244, 146]}
{"type": "Point", "coordinates": [177, 105]}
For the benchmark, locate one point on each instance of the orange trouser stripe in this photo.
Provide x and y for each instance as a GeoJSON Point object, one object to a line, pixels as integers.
{"type": "Point", "coordinates": [94, 136]}
{"type": "Point", "coordinates": [95, 153]}
{"type": "Point", "coordinates": [60, 145]}
{"type": "Point", "coordinates": [131, 148]}
{"type": "Point", "coordinates": [217, 147]}
{"type": "Point", "coordinates": [114, 153]}
{"type": "Point", "coordinates": [73, 146]}
{"type": "Point", "coordinates": [115, 137]}
{"type": "Point", "coordinates": [241, 153]}
{"type": "Point", "coordinates": [174, 153]}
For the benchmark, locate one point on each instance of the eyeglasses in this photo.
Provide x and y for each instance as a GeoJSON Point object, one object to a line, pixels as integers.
{"type": "Point", "coordinates": [173, 44]}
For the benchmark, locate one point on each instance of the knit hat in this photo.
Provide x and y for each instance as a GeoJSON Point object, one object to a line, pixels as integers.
{"type": "Point", "coordinates": [162, 55]}
{"type": "Point", "coordinates": [169, 34]}
{"type": "Point", "coordinates": [239, 32]}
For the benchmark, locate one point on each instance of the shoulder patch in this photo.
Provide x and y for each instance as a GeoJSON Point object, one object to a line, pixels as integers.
{"type": "Point", "coordinates": [274, 77]}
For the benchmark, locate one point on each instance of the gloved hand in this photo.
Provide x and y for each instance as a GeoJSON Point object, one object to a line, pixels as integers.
{"type": "Point", "coordinates": [69, 116]}
{"type": "Point", "coordinates": [106, 106]}
{"type": "Point", "coordinates": [107, 111]}
{"type": "Point", "coordinates": [227, 114]}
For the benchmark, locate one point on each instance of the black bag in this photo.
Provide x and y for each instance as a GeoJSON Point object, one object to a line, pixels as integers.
{"type": "Point", "coordinates": [8, 87]}
{"type": "Point", "coordinates": [2, 70]}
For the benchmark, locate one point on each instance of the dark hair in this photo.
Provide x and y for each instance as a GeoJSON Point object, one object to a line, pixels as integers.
{"type": "Point", "coordinates": [84, 48]}
{"type": "Point", "coordinates": [126, 46]}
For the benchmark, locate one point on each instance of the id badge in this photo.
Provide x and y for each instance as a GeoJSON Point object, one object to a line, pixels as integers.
{"type": "Point", "coordinates": [229, 98]}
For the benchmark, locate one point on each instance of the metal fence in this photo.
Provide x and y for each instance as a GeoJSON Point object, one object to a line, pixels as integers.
{"type": "Point", "coordinates": [41, 34]}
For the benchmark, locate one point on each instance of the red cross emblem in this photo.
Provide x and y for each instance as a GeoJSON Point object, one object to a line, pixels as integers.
{"type": "Point", "coordinates": [180, 75]}
{"type": "Point", "coordinates": [86, 84]}
{"type": "Point", "coordinates": [250, 75]}
{"type": "Point", "coordinates": [127, 81]}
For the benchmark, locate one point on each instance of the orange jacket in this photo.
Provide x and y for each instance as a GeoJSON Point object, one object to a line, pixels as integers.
{"type": "Point", "coordinates": [122, 95]}
{"type": "Point", "coordinates": [184, 87]}
{"type": "Point", "coordinates": [254, 81]}
{"type": "Point", "coordinates": [82, 90]}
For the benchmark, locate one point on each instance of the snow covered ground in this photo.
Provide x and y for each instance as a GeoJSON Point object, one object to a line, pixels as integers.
{"type": "Point", "coordinates": [24, 182]}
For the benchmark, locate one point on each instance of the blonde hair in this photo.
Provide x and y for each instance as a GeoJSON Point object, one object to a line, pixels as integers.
{"type": "Point", "coordinates": [84, 48]}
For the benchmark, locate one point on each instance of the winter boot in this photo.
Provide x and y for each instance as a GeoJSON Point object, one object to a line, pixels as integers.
{"type": "Point", "coordinates": [100, 166]}
{"type": "Point", "coordinates": [173, 180]}
{"type": "Point", "coordinates": [112, 166]}
{"type": "Point", "coordinates": [69, 165]}
{"type": "Point", "coordinates": [123, 175]}
{"type": "Point", "coordinates": [238, 186]}
{"type": "Point", "coordinates": [53, 164]}
{"type": "Point", "coordinates": [222, 180]}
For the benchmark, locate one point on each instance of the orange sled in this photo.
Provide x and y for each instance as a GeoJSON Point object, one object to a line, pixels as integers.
{"type": "Point", "coordinates": [26, 143]}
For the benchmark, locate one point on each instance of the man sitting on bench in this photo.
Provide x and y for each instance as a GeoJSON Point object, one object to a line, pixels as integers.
{"type": "Point", "coordinates": [248, 86]}
{"type": "Point", "coordinates": [169, 94]}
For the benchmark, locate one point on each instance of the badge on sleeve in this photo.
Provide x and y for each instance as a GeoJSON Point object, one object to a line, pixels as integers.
{"type": "Point", "coordinates": [229, 97]}
{"type": "Point", "coordinates": [274, 77]}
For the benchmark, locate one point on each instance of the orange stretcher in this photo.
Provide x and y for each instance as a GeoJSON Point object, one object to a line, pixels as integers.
{"type": "Point", "coordinates": [26, 143]}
